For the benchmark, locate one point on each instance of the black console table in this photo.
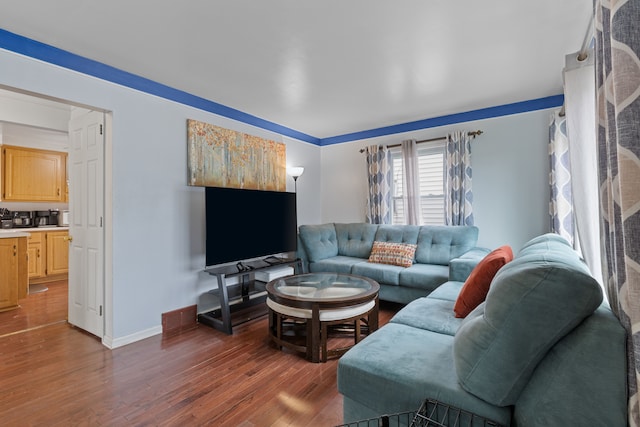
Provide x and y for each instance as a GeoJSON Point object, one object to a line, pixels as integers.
{"type": "Point", "coordinates": [243, 301]}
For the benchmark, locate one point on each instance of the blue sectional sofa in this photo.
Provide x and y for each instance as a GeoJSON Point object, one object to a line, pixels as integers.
{"type": "Point", "coordinates": [543, 349]}
{"type": "Point", "coordinates": [442, 254]}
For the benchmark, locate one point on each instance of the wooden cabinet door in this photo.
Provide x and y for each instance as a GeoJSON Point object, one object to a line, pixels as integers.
{"type": "Point", "coordinates": [36, 255]}
{"type": "Point", "coordinates": [23, 274]}
{"type": "Point", "coordinates": [33, 175]}
{"type": "Point", "coordinates": [8, 273]}
{"type": "Point", "coordinates": [57, 252]}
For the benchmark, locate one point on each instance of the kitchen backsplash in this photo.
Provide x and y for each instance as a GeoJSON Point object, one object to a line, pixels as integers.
{"type": "Point", "coordinates": [21, 214]}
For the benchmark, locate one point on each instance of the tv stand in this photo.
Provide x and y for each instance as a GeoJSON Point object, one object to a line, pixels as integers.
{"type": "Point", "coordinates": [245, 300]}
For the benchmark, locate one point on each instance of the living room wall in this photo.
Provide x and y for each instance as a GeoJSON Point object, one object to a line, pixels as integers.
{"type": "Point", "coordinates": [510, 177]}
{"type": "Point", "coordinates": [157, 242]}
{"type": "Point", "coordinates": [156, 246]}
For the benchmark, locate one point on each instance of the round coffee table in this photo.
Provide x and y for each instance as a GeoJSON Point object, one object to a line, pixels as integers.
{"type": "Point", "coordinates": [315, 301]}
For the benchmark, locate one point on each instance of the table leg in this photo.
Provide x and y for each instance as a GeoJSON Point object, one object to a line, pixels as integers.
{"type": "Point", "coordinates": [315, 333]}
{"type": "Point", "coordinates": [279, 327]}
{"type": "Point", "coordinates": [272, 320]}
{"type": "Point", "coordinates": [373, 316]}
{"type": "Point", "coordinates": [323, 341]}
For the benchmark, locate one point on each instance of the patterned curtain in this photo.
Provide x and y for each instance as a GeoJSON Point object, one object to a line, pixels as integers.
{"type": "Point", "coordinates": [560, 205]}
{"type": "Point", "coordinates": [458, 197]}
{"type": "Point", "coordinates": [411, 182]}
{"type": "Point", "coordinates": [618, 103]}
{"type": "Point", "coordinates": [379, 178]}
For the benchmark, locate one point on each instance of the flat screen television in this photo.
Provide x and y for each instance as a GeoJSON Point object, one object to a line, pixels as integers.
{"type": "Point", "coordinates": [245, 224]}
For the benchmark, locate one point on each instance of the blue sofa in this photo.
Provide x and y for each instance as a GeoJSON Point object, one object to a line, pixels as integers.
{"type": "Point", "coordinates": [543, 349]}
{"type": "Point", "coordinates": [442, 254]}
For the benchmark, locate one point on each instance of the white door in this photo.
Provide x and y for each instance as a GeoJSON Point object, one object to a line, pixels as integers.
{"type": "Point", "coordinates": [86, 213]}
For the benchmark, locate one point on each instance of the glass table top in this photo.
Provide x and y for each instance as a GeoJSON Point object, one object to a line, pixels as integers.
{"type": "Point", "coordinates": [322, 286]}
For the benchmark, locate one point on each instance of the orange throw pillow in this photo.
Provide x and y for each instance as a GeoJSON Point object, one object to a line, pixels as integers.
{"type": "Point", "coordinates": [475, 288]}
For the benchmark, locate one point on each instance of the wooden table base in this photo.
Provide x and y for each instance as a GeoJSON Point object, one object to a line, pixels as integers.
{"type": "Point", "coordinates": [311, 336]}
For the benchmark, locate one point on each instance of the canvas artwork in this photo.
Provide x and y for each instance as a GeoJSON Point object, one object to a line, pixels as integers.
{"type": "Point", "coordinates": [220, 157]}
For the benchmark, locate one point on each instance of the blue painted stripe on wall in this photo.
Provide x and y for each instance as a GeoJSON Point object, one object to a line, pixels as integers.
{"type": "Point", "coordinates": [53, 55]}
{"type": "Point", "coordinates": [484, 113]}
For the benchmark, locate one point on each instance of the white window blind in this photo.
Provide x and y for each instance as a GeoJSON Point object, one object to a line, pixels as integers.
{"type": "Point", "coordinates": [431, 176]}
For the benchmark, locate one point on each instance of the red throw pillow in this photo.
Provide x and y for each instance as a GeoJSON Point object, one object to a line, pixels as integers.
{"type": "Point", "coordinates": [475, 288]}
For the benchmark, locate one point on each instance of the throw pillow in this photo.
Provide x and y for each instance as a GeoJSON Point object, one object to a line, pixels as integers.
{"type": "Point", "coordinates": [400, 254]}
{"type": "Point", "coordinates": [475, 288]}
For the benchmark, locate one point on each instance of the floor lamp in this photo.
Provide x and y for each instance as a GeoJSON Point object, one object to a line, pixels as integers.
{"type": "Point", "coordinates": [295, 172]}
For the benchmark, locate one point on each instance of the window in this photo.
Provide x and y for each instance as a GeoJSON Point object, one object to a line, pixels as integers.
{"type": "Point", "coordinates": [431, 175]}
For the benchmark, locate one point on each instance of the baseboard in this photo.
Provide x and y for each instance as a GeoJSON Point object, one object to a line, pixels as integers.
{"type": "Point", "coordinates": [173, 322]}
{"type": "Point", "coordinates": [47, 279]}
{"type": "Point", "coordinates": [112, 343]}
{"type": "Point", "coordinates": [180, 320]}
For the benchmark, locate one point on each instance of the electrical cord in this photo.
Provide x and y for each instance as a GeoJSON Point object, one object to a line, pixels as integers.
{"type": "Point", "coordinates": [242, 267]}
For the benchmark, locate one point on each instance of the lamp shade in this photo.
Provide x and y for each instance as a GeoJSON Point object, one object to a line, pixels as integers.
{"type": "Point", "coordinates": [295, 171]}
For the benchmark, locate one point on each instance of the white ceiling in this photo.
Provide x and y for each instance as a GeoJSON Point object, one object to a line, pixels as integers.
{"type": "Point", "coordinates": [324, 68]}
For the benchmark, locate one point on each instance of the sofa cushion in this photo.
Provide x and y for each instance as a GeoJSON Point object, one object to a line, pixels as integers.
{"type": "Point", "coordinates": [356, 239]}
{"type": "Point", "coordinates": [381, 273]}
{"type": "Point", "coordinates": [447, 291]}
{"type": "Point", "coordinates": [336, 264]}
{"type": "Point", "coordinates": [395, 368]}
{"type": "Point", "coordinates": [397, 233]}
{"type": "Point", "coordinates": [533, 302]}
{"type": "Point", "coordinates": [461, 267]}
{"type": "Point", "coordinates": [477, 284]}
{"type": "Point", "coordinates": [432, 314]}
{"type": "Point", "coordinates": [440, 244]}
{"type": "Point", "coordinates": [424, 276]}
{"type": "Point", "coordinates": [400, 294]}
{"type": "Point", "coordinates": [319, 241]}
{"type": "Point", "coordinates": [400, 254]}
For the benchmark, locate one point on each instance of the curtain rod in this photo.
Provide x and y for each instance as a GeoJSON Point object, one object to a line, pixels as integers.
{"type": "Point", "coordinates": [582, 55]}
{"type": "Point", "coordinates": [472, 134]}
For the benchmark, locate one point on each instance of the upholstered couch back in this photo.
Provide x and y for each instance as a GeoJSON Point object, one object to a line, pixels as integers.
{"type": "Point", "coordinates": [539, 335]}
{"type": "Point", "coordinates": [435, 244]}
{"type": "Point", "coordinates": [542, 350]}
{"type": "Point", "coordinates": [355, 240]}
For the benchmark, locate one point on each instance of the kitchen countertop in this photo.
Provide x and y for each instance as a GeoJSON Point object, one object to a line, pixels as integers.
{"type": "Point", "coordinates": [7, 233]}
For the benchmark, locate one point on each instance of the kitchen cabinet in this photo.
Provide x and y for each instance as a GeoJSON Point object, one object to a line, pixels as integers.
{"type": "Point", "coordinates": [57, 252]}
{"type": "Point", "coordinates": [36, 251]}
{"type": "Point", "coordinates": [48, 255]}
{"type": "Point", "coordinates": [33, 175]}
{"type": "Point", "coordinates": [13, 271]}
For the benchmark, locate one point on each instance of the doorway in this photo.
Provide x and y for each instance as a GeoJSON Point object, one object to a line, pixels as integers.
{"type": "Point", "coordinates": [55, 301]}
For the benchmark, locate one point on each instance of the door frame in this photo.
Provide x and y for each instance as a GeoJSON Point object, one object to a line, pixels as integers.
{"type": "Point", "coordinates": [107, 241]}
{"type": "Point", "coordinates": [107, 177]}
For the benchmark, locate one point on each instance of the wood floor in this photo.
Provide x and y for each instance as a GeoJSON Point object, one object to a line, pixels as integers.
{"type": "Point", "coordinates": [52, 374]}
{"type": "Point", "coordinates": [37, 310]}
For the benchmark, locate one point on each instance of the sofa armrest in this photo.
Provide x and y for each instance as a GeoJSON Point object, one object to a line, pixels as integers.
{"type": "Point", "coordinates": [461, 267]}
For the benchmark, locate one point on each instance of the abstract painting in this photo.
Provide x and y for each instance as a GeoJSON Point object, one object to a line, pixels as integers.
{"type": "Point", "coordinates": [219, 157]}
